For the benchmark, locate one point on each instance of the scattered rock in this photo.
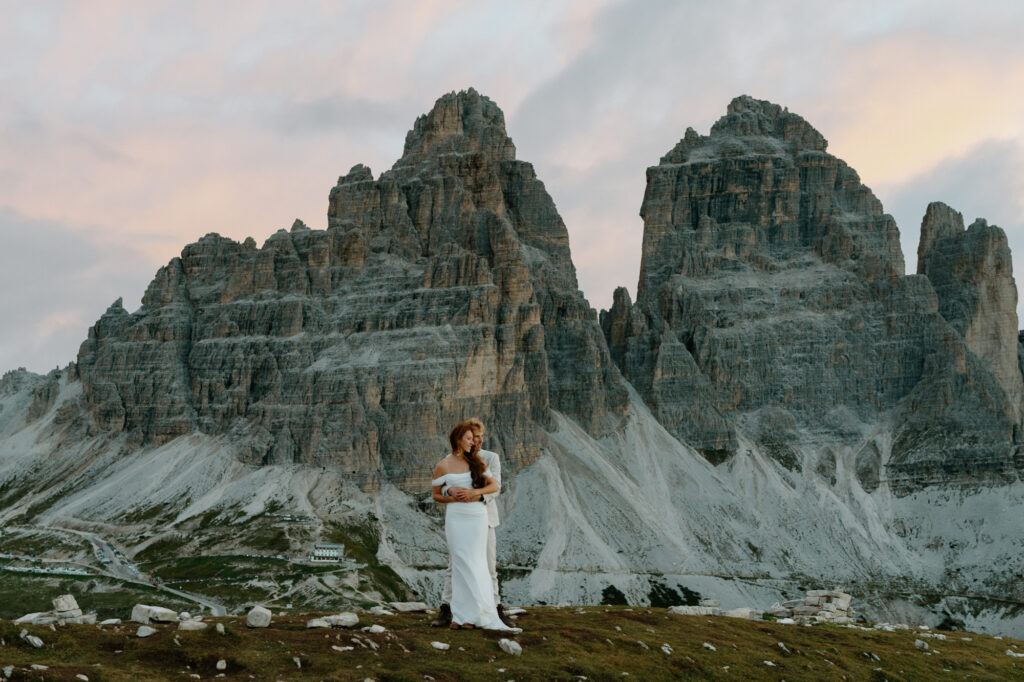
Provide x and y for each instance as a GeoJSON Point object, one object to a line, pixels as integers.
{"type": "Point", "coordinates": [8, 671]}
{"type": "Point", "coordinates": [184, 615]}
{"type": "Point", "coordinates": [66, 602]}
{"type": "Point", "coordinates": [222, 664]}
{"type": "Point", "coordinates": [408, 606]}
{"type": "Point", "coordinates": [695, 610]}
{"type": "Point", "coordinates": [343, 648]}
{"type": "Point", "coordinates": [666, 648]}
{"type": "Point", "coordinates": [31, 639]}
{"type": "Point", "coordinates": [145, 631]}
{"type": "Point", "coordinates": [111, 621]}
{"type": "Point", "coordinates": [345, 619]}
{"type": "Point", "coordinates": [921, 644]}
{"type": "Point", "coordinates": [191, 625]}
{"type": "Point", "coordinates": [510, 647]}
{"type": "Point", "coordinates": [376, 629]}
{"type": "Point", "coordinates": [220, 628]}
{"type": "Point", "coordinates": [742, 612]}
{"type": "Point", "coordinates": [379, 610]}
{"type": "Point", "coordinates": [709, 646]}
{"type": "Point", "coordinates": [145, 614]}
{"type": "Point", "coordinates": [317, 623]}
{"type": "Point", "coordinates": [39, 666]}
{"type": "Point", "coordinates": [1014, 654]}
{"type": "Point", "coordinates": [29, 618]}
{"type": "Point", "coordinates": [441, 646]}
{"type": "Point", "coordinates": [769, 664]}
{"type": "Point", "coordinates": [83, 678]}
{"type": "Point", "coordinates": [258, 617]}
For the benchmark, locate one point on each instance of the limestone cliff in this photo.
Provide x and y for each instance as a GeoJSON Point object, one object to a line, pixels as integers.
{"type": "Point", "coordinates": [972, 273]}
{"type": "Point", "coordinates": [441, 290]}
{"type": "Point", "coordinates": [772, 288]}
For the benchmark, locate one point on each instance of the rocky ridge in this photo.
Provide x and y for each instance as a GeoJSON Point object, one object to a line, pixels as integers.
{"type": "Point", "coordinates": [441, 290]}
{"type": "Point", "coordinates": [772, 303]}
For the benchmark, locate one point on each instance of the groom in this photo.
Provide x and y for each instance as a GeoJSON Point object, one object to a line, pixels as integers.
{"type": "Point", "coordinates": [492, 462]}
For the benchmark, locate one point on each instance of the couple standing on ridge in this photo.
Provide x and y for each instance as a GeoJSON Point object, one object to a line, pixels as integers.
{"type": "Point", "coordinates": [466, 482]}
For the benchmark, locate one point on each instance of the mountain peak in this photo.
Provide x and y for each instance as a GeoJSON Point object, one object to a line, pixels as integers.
{"type": "Point", "coordinates": [466, 123]}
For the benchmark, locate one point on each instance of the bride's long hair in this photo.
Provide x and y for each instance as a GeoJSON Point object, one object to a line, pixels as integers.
{"type": "Point", "coordinates": [476, 464]}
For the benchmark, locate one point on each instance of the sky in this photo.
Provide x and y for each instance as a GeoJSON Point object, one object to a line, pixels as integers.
{"type": "Point", "coordinates": [128, 129]}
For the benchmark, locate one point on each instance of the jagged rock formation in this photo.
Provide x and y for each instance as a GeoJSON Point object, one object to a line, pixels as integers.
{"type": "Point", "coordinates": [772, 288]}
{"type": "Point", "coordinates": [972, 273]}
{"type": "Point", "coordinates": [441, 290]}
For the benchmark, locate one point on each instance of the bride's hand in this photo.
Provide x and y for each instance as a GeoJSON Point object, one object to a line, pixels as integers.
{"type": "Point", "coordinates": [460, 494]}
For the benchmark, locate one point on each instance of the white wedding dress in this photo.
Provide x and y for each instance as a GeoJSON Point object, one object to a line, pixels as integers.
{"type": "Point", "coordinates": [465, 528]}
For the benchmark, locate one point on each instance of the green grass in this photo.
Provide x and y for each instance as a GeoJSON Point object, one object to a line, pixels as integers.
{"type": "Point", "coordinates": [22, 593]}
{"type": "Point", "coordinates": [40, 543]}
{"type": "Point", "coordinates": [599, 643]}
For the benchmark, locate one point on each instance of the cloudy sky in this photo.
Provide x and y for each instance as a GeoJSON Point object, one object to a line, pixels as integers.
{"type": "Point", "coordinates": [129, 129]}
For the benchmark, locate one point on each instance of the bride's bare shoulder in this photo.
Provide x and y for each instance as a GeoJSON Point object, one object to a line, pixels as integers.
{"type": "Point", "coordinates": [442, 467]}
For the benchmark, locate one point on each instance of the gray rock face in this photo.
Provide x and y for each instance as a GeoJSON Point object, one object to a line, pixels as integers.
{"type": "Point", "coordinates": [772, 302]}
{"type": "Point", "coordinates": [972, 273]}
{"type": "Point", "coordinates": [441, 290]}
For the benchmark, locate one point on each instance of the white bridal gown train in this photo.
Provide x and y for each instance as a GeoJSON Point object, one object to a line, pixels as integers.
{"type": "Point", "coordinates": [465, 528]}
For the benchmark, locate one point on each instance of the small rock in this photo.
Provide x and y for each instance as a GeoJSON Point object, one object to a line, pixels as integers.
{"type": "Point", "coordinates": [8, 671]}
{"type": "Point", "coordinates": [222, 664]}
{"type": "Point", "coordinates": [510, 647]}
{"type": "Point", "coordinates": [39, 666]}
{"type": "Point", "coordinates": [191, 625]}
{"type": "Point", "coordinates": [82, 677]}
{"type": "Point", "coordinates": [1013, 654]}
{"type": "Point", "coordinates": [642, 644]}
{"type": "Point", "coordinates": [258, 617]}
{"type": "Point", "coordinates": [786, 621]}
{"type": "Point", "coordinates": [298, 662]}
{"type": "Point", "coordinates": [377, 629]}
{"type": "Point", "coordinates": [783, 647]}
{"type": "Point", "coordinates": [343, 648]}
{"type": "Point", "coordinates": [408, 606]}
{"type": "Point", "coordinates": [32, 639]}
{"type": "Point", "coordinates": [667, 649]}
{"type": "Point", "coordinates": [145, 631]}
{"type": "Point", "coordinates": [441, 646]}
{"type": "Point", "coordinates": [769, 664]}
{"type": "Point", "coordinates": [220, 628]}
{"type": "Point", "coordinates": [184, 615]}
{"type": "Point", "coordinates": [111, 621]}
{"type": "Point", "coordinates": [345, 619]}
{"type": "Point", "coordinates": [379, 610]}
{"type": "Point", "coordinates": [710, 647]}
{"type": "Point", "coordinates": [317, 623]}
{"type": "Point", "coordinates": [920, 644]}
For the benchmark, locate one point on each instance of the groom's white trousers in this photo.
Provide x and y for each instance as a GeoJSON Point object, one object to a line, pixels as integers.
{"type": "Point", "coordinates": [492, 566]}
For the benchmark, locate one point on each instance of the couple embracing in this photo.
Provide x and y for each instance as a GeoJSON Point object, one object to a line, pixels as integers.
{"type": "Point", "coordinates": [466, 482]}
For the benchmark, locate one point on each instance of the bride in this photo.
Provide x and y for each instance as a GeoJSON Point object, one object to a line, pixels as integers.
{"type": "Point", "coordinates": [465, 528]}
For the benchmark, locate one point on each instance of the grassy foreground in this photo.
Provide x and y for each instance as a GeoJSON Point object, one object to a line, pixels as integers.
{"type": "Point", "coordinates": [595, 643]}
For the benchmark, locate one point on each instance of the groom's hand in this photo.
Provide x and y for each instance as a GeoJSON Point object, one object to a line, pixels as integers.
{"type": "Point", "coordinates": [460, 494]}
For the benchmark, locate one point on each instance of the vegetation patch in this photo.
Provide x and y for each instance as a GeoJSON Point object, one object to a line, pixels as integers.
{"type": "Point", "coordinates": [599, 643]}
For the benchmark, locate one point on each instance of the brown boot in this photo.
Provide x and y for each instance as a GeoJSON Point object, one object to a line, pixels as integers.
{"type": "Point", "coordinates": [444, 617]}
{"type": "Point", "coordinates": [504, 618]}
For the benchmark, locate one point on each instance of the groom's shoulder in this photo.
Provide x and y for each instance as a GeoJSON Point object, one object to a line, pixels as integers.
{"type": "Point", "coordinates": [488, 454]}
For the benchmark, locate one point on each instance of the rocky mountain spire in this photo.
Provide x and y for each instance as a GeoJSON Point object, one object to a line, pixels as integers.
{"type": "Point", "coordinates": [972, 272]}
{"type": "Point", "coordinates": [772, 307]}
{"type": "Point", "coordinates": [442, 290]}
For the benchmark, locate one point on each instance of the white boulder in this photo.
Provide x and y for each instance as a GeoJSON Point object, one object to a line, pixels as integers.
{"type": "Point", "coordinates": [144, 631]}
{"type": "Point", "coordinates": [258, 617]}
{"type": "Point", "coordinates": [510, 647]}
{"type": "Point", "coordinates": [65, 602]}
{"type": "Point", "coordinates": [408, 606]}
{"type": "Point", "coordinates": [317, 623]}
{"type": "Point", "coordinates": [191, 625]}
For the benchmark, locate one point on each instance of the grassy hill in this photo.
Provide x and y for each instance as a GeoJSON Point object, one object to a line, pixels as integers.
{"type": "Point", "coordinates": [595, 643]}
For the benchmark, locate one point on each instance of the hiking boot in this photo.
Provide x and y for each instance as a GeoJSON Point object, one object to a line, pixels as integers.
{"type": "Point", "coordinates": [444, 617]}
{"type": "Point", "coordinates": [504, 618]}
